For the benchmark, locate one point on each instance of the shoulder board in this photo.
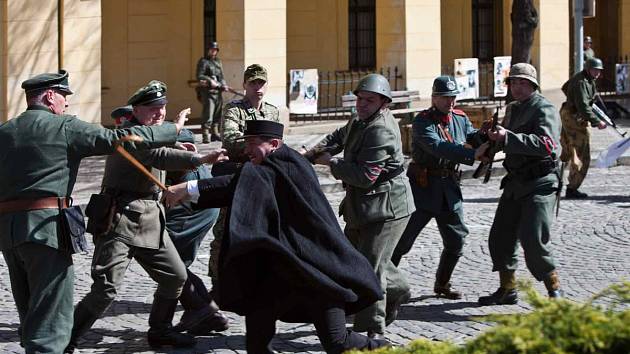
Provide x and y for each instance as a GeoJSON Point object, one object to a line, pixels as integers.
{"type": "Point", "coordinates": [459, 112]}
{"type": "Point", "coordinates": [269, 104]}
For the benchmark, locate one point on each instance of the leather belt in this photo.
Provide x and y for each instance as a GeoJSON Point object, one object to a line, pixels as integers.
{"type": "Point", "coordinates": [441, 172]}
{"type": "Point", "coordinates": [11, 206]}
{"type": "Point", "coordinates": [129, 194]}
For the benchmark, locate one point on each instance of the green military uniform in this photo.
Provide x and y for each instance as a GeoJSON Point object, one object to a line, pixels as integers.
{"type": "Point", "coordinates": [378, 201]}
{"type": "Point", "coordinates": [211, 69]}
{"type": "Point", "coordinates": [40, 153]}
{"type": "Point", "coordinates": [576, 114]}
{"type": "Point", "coordinates": [235, 114]}
{"type": "Point", "coordinates": [138, 228]}
{"type": "Point", "coordinates": [589, 52]}
{"type": "Point", "coordinates": [525, 211]}
{"type": "Point", "coordinates": [439, 141]}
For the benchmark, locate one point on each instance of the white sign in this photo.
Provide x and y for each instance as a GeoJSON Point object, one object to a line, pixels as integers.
{"type": "Point", "coordinates": [303, 91]}
{"type": "Point", "coordinates": [466, 73]}
{"type": "Point", "coordinates": [622, 79]}
{"type": "Point", "coordinates": [501, 71]}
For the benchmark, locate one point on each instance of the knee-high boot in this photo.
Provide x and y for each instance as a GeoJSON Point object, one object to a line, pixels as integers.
{"type": "Point", "coordinates": [161, 331]}
{"type": "Point", "coordinates": [445, 269]}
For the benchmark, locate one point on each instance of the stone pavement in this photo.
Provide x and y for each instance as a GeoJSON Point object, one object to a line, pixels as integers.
{"type": "Point", "coordinates": [590, 243]}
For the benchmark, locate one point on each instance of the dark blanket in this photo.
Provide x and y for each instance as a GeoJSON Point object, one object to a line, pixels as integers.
{"type": "Point", "coordinates": [283, 244]}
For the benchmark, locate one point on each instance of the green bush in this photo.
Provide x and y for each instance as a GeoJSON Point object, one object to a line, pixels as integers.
{"type": "Point", "coordinates": [552, 327]}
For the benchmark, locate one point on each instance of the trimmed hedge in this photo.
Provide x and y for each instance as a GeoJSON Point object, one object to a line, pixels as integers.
{"type": "Point", "coordinates": [552, 327]}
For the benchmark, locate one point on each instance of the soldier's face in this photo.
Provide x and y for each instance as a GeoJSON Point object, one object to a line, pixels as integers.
{"type": "Point", "coordinates": [57, 101]}
{"type": "Point", "coordinates": [587, 45]}
{"type": "Point", "coordinates": [595, 73]}
{"type": "Point", "coordinates": [212, 52]}
{"type": "Point", "coordinates": [257, 148]}
{"type": "Point", "coordinates": [150, 115]}
{"type": "Point", "coordinates": [521, 88]}
{"type": "Point", "coordinates": [255, 90]}
{"type": "Point", "coordinates": [369, 103]}
{"type": "Point", "coordinates": [444, 104]}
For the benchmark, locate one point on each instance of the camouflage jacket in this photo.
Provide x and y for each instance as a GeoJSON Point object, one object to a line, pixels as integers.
{"type": "Point", "coordinates": [235, 114]}
{"type": "Point", "coordinates": [580, 91]}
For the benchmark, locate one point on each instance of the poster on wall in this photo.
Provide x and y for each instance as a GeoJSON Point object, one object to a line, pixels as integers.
{"type": "Point", "coordinates": [501, 71]}
{"type": "Point", "coordinates": [466, 72]}
{"type": "Point", "coordinates": [622, 80]}
{"type": "Point", "coordinates": [303, 91]}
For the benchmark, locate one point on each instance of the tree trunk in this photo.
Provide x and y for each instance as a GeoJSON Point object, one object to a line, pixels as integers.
{"type": "Point", "coordinates": [524, 22]}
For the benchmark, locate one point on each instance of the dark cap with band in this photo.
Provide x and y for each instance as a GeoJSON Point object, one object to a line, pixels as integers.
{"type": "Point", "coordinates": [58, 81]}
{"type": "Point", "coordinates": [153, 94]}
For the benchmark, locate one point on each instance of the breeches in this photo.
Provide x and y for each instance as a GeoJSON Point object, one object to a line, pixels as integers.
{"type": "Point", "coordinates": [376, 241]}
{"type": "Point", "coordinates": [42, 282]}
{"type": "Point", "coordinates": [526, 220]}
{"type": "Point", "coordinates": [575, 139]}
{"type": "Point", "coordinates": [211, 113]}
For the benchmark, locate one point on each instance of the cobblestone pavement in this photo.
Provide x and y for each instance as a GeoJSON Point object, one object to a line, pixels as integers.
{"type": "Point", "coordinates": [590, 243]}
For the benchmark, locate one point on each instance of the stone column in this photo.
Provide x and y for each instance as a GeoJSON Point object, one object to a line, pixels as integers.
{"type": "Point", "coordinates": [550, 52]}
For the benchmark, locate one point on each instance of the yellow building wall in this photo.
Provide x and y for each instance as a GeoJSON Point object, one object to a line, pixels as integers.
{"type": "Point", "coordinates": [391, 38]}
{"type": "Point", "coordinates": [550, 52]}
{"type": "Point", "coordinates": [317, 34]}
{"type": "Point", "coordinates": [456, 30]}
{"type": "Point", "coordinates": [151, 40]}
{"type": "Point", "coordinates": [624, 27]}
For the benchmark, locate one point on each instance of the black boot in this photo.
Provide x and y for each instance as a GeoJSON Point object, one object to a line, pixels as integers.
{"type": "Point", "coordinates": [205, 133]}
{"type": "Point", "coordinates": [442, 287]}
{"type": "Point", "coordinates": [200, 316]}
{"type": "Point", "coordinates": [574, 194]}
{"type": "Point", "coordinates": [216, 135]}
{"type": "Point", "coordinates": [84, 318]}
{"type": "Point", "coordinates": [506, 294]}
{"type": "Point", "coordinates": [392, 307]}
{"type": "Point", "coordinates": [161, 331]}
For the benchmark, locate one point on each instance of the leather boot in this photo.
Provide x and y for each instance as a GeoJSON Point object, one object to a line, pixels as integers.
{"type": "Point", "coordinates": [84, 318]}
{"type": "Point", "coordinates": [205, 135]}
{"type": "Point", "coordinates": [392, 307]}
{"type": "Point", "coordinates": [200, 315]}
{"type": "Point", "coordinates": [216, 135]}
{"type": "Point", "coordinates": [442, 287]}
{"type": "Point", "coordinates": [552, 283]}
{"type": "Point", "coordinates": [572, 193]}
{"type": "Point", "coordinates": [506, 294]}
{"type": "Point", "coordinates": [161, 331]}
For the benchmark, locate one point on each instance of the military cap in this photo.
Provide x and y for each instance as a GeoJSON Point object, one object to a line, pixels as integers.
{"type": "Point", "coordinates": [57, 81]}
{"type": "Point", "coordinates": [594, 63]}
{"type": "Point", "coordinates": [266, 128]}
{"type": "Point", "coordinates": [523, 71]}
{"type": "Point", "coordinates": [588, 39]}
{"type": "Point", "coordinates": [374, 83]}
{"type": "Point", "coordinates": [255, 72]}
{"type": "Point", "coordinates": [444, 86]}
{"type": "Point", "coordinates": [121, 111]}
{"type": "Point", "coordinates": [154, 93]}
{"type": "Point", "coordinates": [213, 45]}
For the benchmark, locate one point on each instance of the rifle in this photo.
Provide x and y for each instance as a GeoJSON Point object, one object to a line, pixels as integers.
{"type": "Point", "coordinates": [313, 153]}
{"type": "Point", "coordinates": [603, 116]}
{"type": "Point", "coordinates": [214, 84]}
{"type": "Point", "coordinates": [560, 184]}
{"type": "Point", "coordinates": [485, 168]}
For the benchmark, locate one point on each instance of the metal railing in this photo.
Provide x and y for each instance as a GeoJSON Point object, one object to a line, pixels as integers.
{"type": "Point", "coordinates": [334, 84]}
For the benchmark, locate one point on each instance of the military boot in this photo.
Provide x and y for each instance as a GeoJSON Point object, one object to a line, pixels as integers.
{"type": "Point", "coordinates": [216, 135]}
{"type": "Point", "coordinates": [84, 318]}
{"type": "Point", "coordinates": [205, 135]}
{"type": "Point", "coordinates": [552, 283]}
{"type": "Point", "coordinates": [505, 295]}
{"type": "Point", "coordinates": [573, 193]}
{"type": "Point", "coordinates": [161, 331]}
{"type": "Point", "coordinates": [201, 313]}
{"type": "Point", "coordinates": [442, 287]}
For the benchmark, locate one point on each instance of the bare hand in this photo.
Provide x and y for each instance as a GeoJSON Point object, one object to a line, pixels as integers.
{"type": "Point", "coordinates": [203, 83]}
{"type": "Point", "coordinates": [215, 156]}
{"type": "Point", "coordinates": [182, 117]}
{"type": "Point", "coordinates": [323, 159]}
{"type": "Point", "coordinates": [303, 150]}
{"type": "Point", "coordinates": [175, 194]}
{"type": "Point", "coordinates": [602, 125]}
{"type": "Point", "coordinates": [188, 147]}
{"type": "Point", "coordinates": [498, 134]}
{"type": "Point", "coordinates": [480, 152]}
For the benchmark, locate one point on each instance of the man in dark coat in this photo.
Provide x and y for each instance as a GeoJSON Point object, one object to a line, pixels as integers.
{"type": "Point", "coordinates": [284, 255]}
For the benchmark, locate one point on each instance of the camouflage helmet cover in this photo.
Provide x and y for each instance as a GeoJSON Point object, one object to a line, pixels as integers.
{"type": "Point", "coordinates": [594, 63]}
{"type": "Point", "coordinates": [524, 71]}
{"type": "Point", "coordinates": [374, 83]}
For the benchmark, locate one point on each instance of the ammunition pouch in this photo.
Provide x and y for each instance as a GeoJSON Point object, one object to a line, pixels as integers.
{"type": "Point", "coordinates": [418, 175]}
{"type": "Point", "coordinates": [72, 237]}
{"type": "Point", "coordinates": [100, 211]}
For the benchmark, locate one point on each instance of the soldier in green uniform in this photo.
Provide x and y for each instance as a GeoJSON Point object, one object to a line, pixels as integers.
{"type": "Point", "coordinates": [529, 136]}
{"type": "Point", "coordinates": [41, 150]}
{"type": "Point", "coordinates": [235, 114]}
{"type": "Point", "coordinates": [137, 232]}
{"type": "Point", "coordinates": [209, 74]}
{"type": "Point", "coordinates": [443, 138]}
{"type": "Point", "coordinates": [576, 114]}
{"type": "Point", "coordinates": [587, 48]}
{"type": "Point", "coordinates": [378, 199]}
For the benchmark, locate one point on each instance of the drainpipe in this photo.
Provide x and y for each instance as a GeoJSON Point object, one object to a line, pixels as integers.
{"type": "Point", "coordinates": [60, 8]}
{"type": "Point", "coordinates": [578, 35]}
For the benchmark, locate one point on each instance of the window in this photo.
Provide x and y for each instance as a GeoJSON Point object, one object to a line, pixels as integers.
{"type": "Point", "coordinates": [209, 23]}
{"type": "Point", "coordinates": [362, 34]}
{"type": "Point", "coordinates": [483, 29]}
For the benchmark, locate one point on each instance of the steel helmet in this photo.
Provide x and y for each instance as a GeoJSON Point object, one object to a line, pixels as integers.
{"type": "Point", "coordinates": [375, 83]}
{"type": "Point", "coordinates": [524, 71]}
{"type": "Point", "coordinates": [594, 63]}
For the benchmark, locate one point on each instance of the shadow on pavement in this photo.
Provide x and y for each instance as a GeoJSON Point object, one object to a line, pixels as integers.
{"type": "Point", "coordinates": [481, 200]}
{"type": "Point", "coordinates": [435, 312]}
